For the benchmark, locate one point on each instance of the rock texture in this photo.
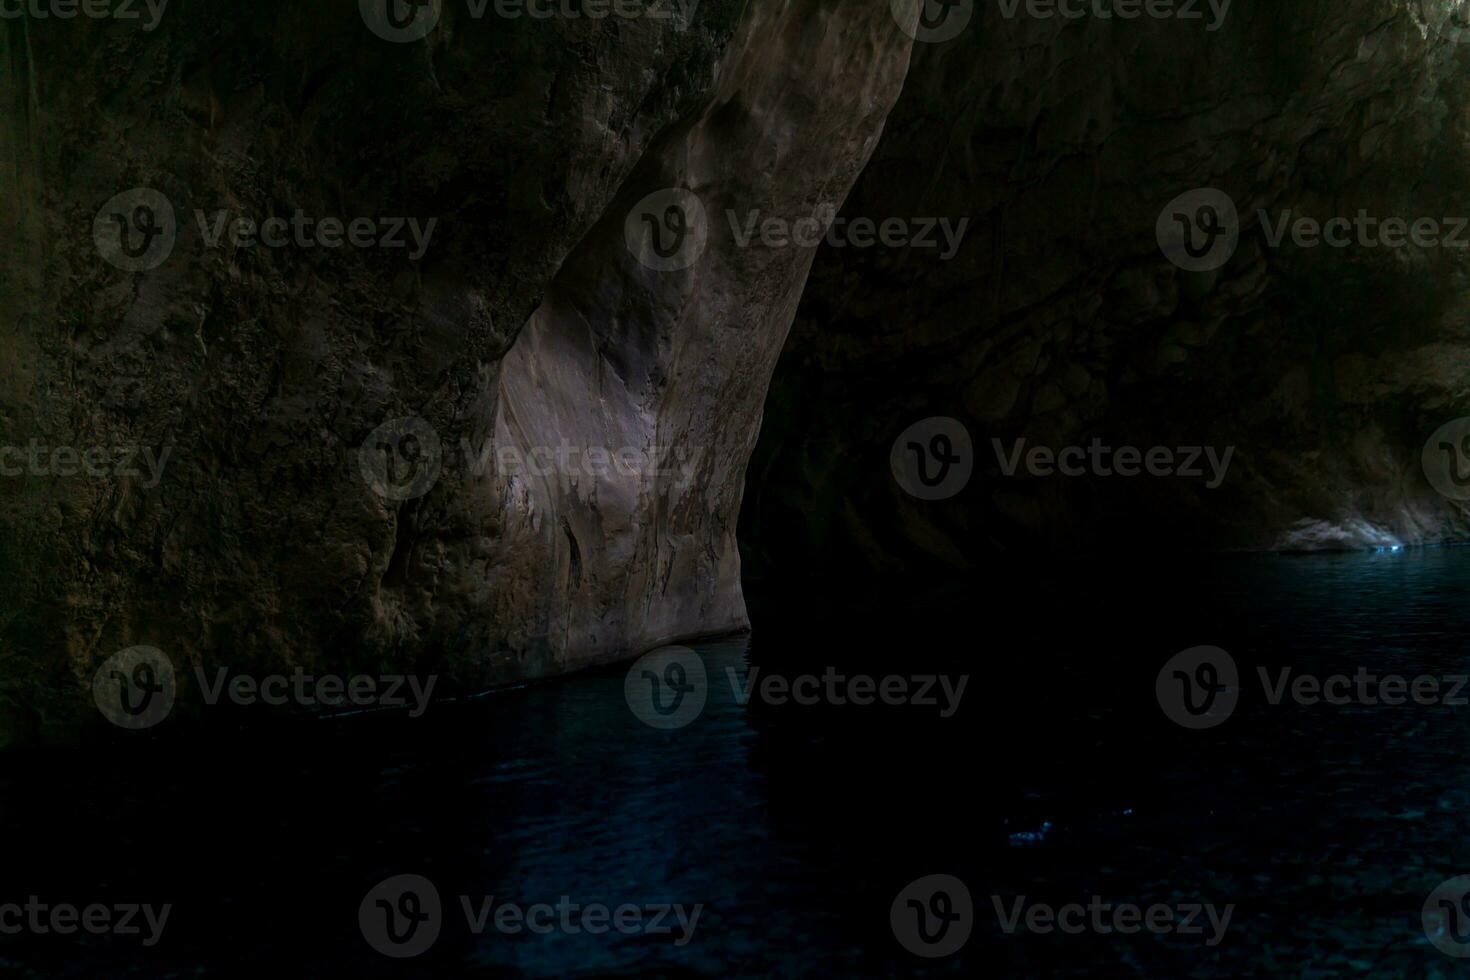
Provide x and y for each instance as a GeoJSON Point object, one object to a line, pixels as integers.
{"type": "Point", "coordinates": [1061, 320]}
{"type": "Point", "coordinates": [527, 320]}
{"type": "Point", "coordinates": [412, 458]}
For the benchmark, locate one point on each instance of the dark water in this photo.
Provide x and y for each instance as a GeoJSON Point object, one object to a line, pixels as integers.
{"type": "Point", "coordinates": [795, 826]}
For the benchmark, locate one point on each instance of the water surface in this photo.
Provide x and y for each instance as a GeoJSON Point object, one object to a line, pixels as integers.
{"type": "Point", "coordinates": [794, 827]}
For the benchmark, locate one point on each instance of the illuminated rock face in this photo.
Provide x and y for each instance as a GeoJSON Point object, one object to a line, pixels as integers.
{"type": "Point", "coordinates": [669, 357]}
{"type": "Point", "coordinates": [1061, 321]}
{"type": "Point", "coordinates": [348, 420]}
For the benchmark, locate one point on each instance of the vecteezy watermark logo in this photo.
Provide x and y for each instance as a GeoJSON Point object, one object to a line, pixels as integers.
{"type": "Point", "coordinates": [1367, 231]}
{"type": "Point", "coordinates": [331, 690]}
{"type": "Point", "coordinates": [91, 9]}
{"type": "Point", "coordinates": [136, 230]}
{"type": "Point", "coordinates": [404, 458]}
{"type": "Point", "coordinates": [668, 230]}
{"type": "Point", "coordinates": [1199, 687]}
{"type": "Point", "coordinates": [303, 231]}
{"type": "Point", "coordinates": [1446, 917]}
{"type": "Point", "coordinates": [667, 688]}
{"type": "Point", "coordinates": [401, 458]}
{"type": "Point", "coordinates": [42, 918]}
{"type": "Point", "coordinates": [933, 459]}
{"type": "Point", "coordinates": [680, 463]}
{"type": "Point", "coordinates": [920, 690]}
{"type": "Point", "coordinates": [37, 459]}
{"type": "Point", "coordinates": [774, 231]}
{"type": "Point", "coordinates": [1122, 9]}
{"type": "Point", "coordinates": [1100, 460]}
{"type": "Point", "coordinates": [1446, 459]}
{"type": "Point", "coordinates": [401, 21]}
{"type": "Point", "coordinates": [135, 688]}
{"type": "Point", "coordinates": [1364, 688]}
{"type": "Point", "coordinates": [933, 21]}
{"type": "Point", "coordinates": [542, 918]}
{"type": "Point", "coordinates": [401, 916]}
{"type": "Point", "coordinates": [681, 12]}
{"type": "Point", "coordinates": [1199, 230]}
{"type": "Point", "coordinates": [933, 916]}
{"type": "Point", "coordinates": [1109, 917]}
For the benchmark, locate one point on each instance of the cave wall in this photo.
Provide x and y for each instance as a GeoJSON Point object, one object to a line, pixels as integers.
{"type": "Point", "coordinates": [333, 493]}
{"type": "Point", "coordinates": [1061, 320]}
{"type": "Point", "coordinates": [337, 491]}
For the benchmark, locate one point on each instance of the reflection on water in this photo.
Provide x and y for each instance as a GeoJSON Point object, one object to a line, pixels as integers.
{"type": "Point", "coordinates": [795, 826]}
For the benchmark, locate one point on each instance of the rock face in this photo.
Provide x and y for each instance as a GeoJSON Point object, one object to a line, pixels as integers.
{"type": "Point", "coordinates": [388, 458]}
{"type": "Point", "coordinates": [472, 388]}
{"type": "Point", "coordinates": [1061, 321]}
